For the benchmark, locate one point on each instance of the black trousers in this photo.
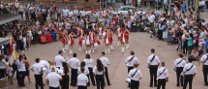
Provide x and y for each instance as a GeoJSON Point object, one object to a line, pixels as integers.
{"type": "Point", "coordinates": [2, 73]}
{"type": "Point", "coordinates": [54, 88]}
{"type": "Point", "coordinates": [21, 78]}
{"type": "Point", "coordinates": [179, 77]}
{"type": "Point", "coordinates": [100, 81]}
{"type": "Point", "coordinates": [82, 87]}
{"type": "Point", "coordinates": [65, 82]}
{"type": "Point", "coordinates": [39, 81]}
{"type": "Point", "coordinates": [91, 76]}
{"type": "Point", "coordinates": [130, 68]}
{"type": "Point", "coordinates": [205, 73]}
{"type": "Point", "coordinates": [74, 74]}
{"type": "Point", "coordinates": [161, 83]}
{"type": "Point", "coordinates": [153, 74]}
{"type": "Point", "coordinates": [134, 84]}
{"type": "Point", "coordinates": [106, 76]}
{"type": "Point", "coordinates": [160, 33]}
{"type": "Point", "coordinates": [188, 79]}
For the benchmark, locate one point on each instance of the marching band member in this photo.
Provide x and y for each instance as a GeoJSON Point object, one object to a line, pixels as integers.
{"type": "Point", "coordinates": [88, 43]}
{"type": "Point", "coordinates": [119, 30]}
{"type": "Point", "coordinates": [81, 38]}
{"type": "Point", "coordinates": [107, 40]}
{"type": "Point", "coordinates": [63, 39]}
{"type": "Point", "coordinates": [126, 36]}
{"type": "Point", "coordinates": [71, 42]}
{"type": "Point", "coordinates": [124, 39]}
{"type": "Point", "coordinates": [93, 38]}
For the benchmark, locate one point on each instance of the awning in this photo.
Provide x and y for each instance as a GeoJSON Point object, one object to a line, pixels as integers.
{"type": "Point", "coordinates": [5, 18]}
{"type": "Point", "coordinates": [4, 41]}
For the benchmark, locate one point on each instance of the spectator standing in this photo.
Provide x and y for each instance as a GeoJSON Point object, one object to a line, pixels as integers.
{"type": "Point", "coordinates": [65, 76]}
{"type": "Point", "coordinates": [82, 79]}
{"type": "Point", "coordinates": [21, 71]}
{"type": "Point", "coordinates": [135, 75]}
{"type": "Point", "coordinates": [53, 79]}
{"type": "Point", "coordinates": [204, 61]}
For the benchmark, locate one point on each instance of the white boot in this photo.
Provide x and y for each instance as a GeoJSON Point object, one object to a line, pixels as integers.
{"type": "Point", "coordinates": [63, 50]}
{"type": "Point", "coordinates": [127, 46]}
{"type": "Point", "coordinates": [109, 50]}
{"type": "Point", "coordinates": [89, 52]}
{"type": "Point", "coordinates": [122, 49]}
{"type": "Point", "coordinates": [86, 52]}
{"type": "Point", "coordinates": [93, 50]}
{"type": "Point", "coordinates": [70, 51]}
{"type": "Point", "coordinates": [118, 43]}
{"type": "Point", "coordinates": [66, 47]}
{"type": "Point", "coordinates": [111, 47]}
{"type": "Point", "coordinates": [106, 50]}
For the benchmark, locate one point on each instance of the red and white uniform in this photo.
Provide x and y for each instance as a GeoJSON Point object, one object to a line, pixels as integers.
{"type": "Point", "coordinates": [108, 38]}
{"type": "Point", "coordinates": [124, 37]}
{"type": "Point", "coordinates": [80, 41]}
{"type": "Point", "coordinates": [92, 37]}
{"type": "Point", "coordinates": [71, 40]}
{"type": "Point", "coordinates": [63, 38]}
{"type": "Point", "coordinates": [88, 40]}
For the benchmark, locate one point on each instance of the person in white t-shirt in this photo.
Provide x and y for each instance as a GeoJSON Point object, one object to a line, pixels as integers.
{"type": "Point", "coordinates": [59, 59]}
{"type": "Point", "coordinates": [53, 79]}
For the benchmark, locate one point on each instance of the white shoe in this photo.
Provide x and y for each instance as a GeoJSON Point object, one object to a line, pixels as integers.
{"type": "Point", "coordinates": [109, 50]}
{"type": "Point", "coordinates": [70, 51]}
{"type": "Point", "coordinates": [118, 43]}
{"type": "Point", "coordinates": [122, 49]}
{"type": "Point", "coordinates": [127, 46]}
{"type": "Point", "coordinates": [63, 50]}
{"type": "Point", "coordinates": [111, 47]}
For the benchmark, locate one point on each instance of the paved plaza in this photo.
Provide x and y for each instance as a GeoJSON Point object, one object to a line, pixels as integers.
{"type": "Point", "coordinates": [139, 42]}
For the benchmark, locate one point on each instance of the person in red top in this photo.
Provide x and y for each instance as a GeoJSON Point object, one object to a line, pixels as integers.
{"type": "Point", "coordinates": [71, 42]}
{"type": "Point", "coordinates": [63, 39]}
{"type": "Point", "coordinates": [107, 40]}
{"type": "Point", "coordinates": [124, 39]}
{"type": "Point", "coordinates": [88, 42]}
{"type": "Point", "coordinates": [81, 38]}
{"type": "Point", "coordinates": [93, 39]}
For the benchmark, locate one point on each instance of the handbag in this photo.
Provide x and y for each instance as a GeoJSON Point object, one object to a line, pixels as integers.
{"type": "Point", "coordinates": [128, 80]}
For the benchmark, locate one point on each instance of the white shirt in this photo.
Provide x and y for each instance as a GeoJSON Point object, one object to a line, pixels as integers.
{"type": "Point", "coordinates": [130, 63]}
{"type": "Point", "coordinates": [179, 62]}
{"type": "Point", "coordinates": [137, 75]}
{"type": "Point", "coordinates": [2, 64]}
{"type": "Point", "coordinates": [96, 72]}
{"type": "Point", "coordinates": [105, 61]}
{"type": "Point", "coordinates": [20, 65]}
{"type": "Point", "coordinates": [82, 80]}
{"type": "Point", "coordinates": [86, 71]}
{"type": "Point", "coordinates": [202, 3]}
{"type": "Point", "coordinates": [44, 64]}
{"type": "Point", "coordinates": [203, 58]}
{"type": "Point", "coordinates": [192, 71]}
{"type": "Point", "coordinates": [74, 63]}
{"type": "Point", "coordinates": [162, 73]}
{"type": "Point", "coordinates": [89, 62]}
{"type": "Point", "coordinates": [54, 79]}
{"type": "Point", "coordinates": [59, 59]}
{"type": "Point", "coordinates": [151, 18]}
{"type": "Point", "coordinates": [155, 61]}
{"type": "Point", "coordinates": [37, 68]}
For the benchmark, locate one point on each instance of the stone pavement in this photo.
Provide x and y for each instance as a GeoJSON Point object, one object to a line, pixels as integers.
{"type": "Point", "coordinates": [140, 43]}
